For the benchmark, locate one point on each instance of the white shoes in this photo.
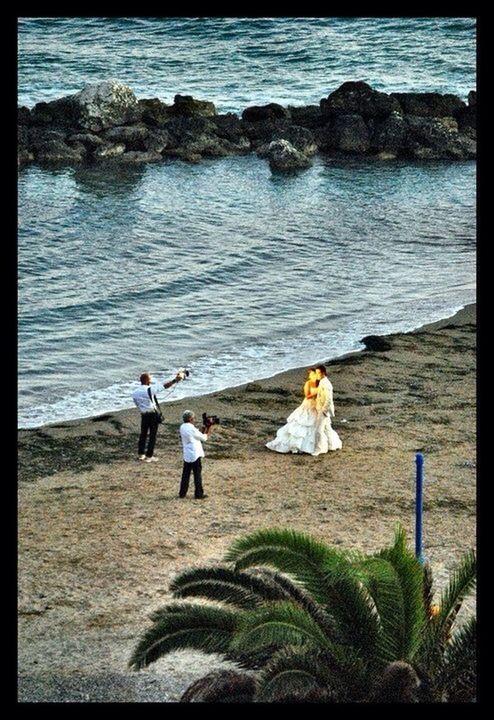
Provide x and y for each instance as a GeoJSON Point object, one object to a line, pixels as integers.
{"type": "Point", "coordinates": [142, 457]}
{"type": "Point", "coordinates": [151, 459]}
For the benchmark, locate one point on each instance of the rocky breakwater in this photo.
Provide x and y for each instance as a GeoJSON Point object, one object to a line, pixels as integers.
{"type": "Point", "coordinates": [105, 122]}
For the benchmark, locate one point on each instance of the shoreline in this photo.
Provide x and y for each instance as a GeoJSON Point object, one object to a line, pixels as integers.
{"type": "Point", "coordinates": [101, 535]}
{"type": "Point", "coordinates": [468, 308]}
{"type": "Point", "coordinates": [166, 403]}
{"type": "Point", "coordinates": [49, 444]}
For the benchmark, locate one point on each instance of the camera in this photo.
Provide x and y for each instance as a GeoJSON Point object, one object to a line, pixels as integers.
{"type": "Point", "coordinates": [208, 420]}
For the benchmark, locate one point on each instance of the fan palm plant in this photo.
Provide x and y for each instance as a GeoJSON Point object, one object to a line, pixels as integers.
{"type": "Point", "coordinates": [316, 620]}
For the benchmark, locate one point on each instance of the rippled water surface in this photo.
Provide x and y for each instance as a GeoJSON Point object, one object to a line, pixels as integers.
{"type": "Point", "coordinates": [222, 266]}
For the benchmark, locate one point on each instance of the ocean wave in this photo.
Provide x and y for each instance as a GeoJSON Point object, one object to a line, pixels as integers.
{"type": "Point", "coordinates": [222, 264]}
{"type": "Point", "coordinates": [201, 55]}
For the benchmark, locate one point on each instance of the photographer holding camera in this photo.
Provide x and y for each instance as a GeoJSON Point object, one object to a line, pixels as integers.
{"type": "Point", "coordinates": [192, 439]}
{"type": "Point", "coordinates": [147, 404]}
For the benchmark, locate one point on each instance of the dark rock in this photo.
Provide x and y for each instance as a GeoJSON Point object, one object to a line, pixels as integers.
{"type": "Point", "coordinates": [38, 137]}
{"type": "Point", "coordinates": [307, 116]}
{"type": "Point", "coordinates": [262, 132]}
{"type": "Point", "coordinates": [283, 157]}
{"type": "Point", "coordinates": [156, 140]}
{"type": "Point", "coordinates": [154, 112]}
{"type": "Point", "coordinates": [350, 134]}
{"type": "Point", "coordinates": [108, 150]}
{"type": "Point", "coordinates": [429, 104]}
{"type": "Point", "coordinates": [59, 152]}
{"type": "Point", "coordinates": [106, 121]}
{"type": "Point", "coordinates": [24, 156]}
{"type": "Point", "coordinates": [346, 134]}
{"type": "Point", "coordinates": [358, 98]}
{"type": "Point", "coordinates": [221, 147]}
{"type": "Point", "coordinates": [183, 154]}
{"type": "Point", "coordinates": [22, 136]}
{"type": "Point", "coordinates": [230, 127]}
{"type": "Point", "coordinates": [23, 152]}
{"type": "Point", "coordinates": [376, 343]}
{"type": "Point", "coordinates": [300, 138]}
{"type": "Point", "coordinates": [471, 133]}
{"type": "Point", "coordinates": [208, 146]}
{"type": "Point", "coordinates": [187, 105]}
{"type": "Point", "coordinates": [260, 113]}
{"type": "Point", "coordinates": [435, 138]}
{"type": "Point", "coordinates": [135, 157]}
{"type": "Point", "coordinates": [389, 134]}
{"type": "Point", "coordinates": [229, 133]}
{"type": "Point", "coordinates": [467, 119]}
{"type": "Point", "coordinates": [89, 140]}
{"type": "Point", "coordinates": [195, 135]}
{"type": "Point", "coordinates": [133, 136]}
{"type": "Point", "coordinates": [62, 113]}
{"type": "Point", "coordinates": [23, 115]}
{"type": "Point", "coordinates": [185, 129]}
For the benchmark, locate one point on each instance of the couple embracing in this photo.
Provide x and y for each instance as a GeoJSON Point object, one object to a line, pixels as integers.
{"type": "Point", "coordinates": [308, 429]}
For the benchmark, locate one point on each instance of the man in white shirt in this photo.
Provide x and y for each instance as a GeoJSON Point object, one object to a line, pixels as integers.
{"type": "Point", "coordinates": [192, 440]}
{"type": "Point", "coordinates": [326, 436]}
{"type": "Point", "coordinates": [145, 399]}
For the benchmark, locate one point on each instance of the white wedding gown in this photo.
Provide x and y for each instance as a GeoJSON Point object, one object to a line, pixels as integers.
{"type": "Point", "coordinates": [304, 432]}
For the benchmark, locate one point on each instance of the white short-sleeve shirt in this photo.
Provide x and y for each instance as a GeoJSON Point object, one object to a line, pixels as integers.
{"type": "Point", "coordinates": [191, 441]}
{"type": "Point", "coordinates": [141, 396]}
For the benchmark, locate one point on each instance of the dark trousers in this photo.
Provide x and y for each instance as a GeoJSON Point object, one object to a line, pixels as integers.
{"type": "Point", "coordinates": [149, 424]}
{"type": "Point", "coordinates": [196, 468]}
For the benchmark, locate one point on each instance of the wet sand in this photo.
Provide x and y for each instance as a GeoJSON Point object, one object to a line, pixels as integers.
{"type": "Point", "coordinates": [100, 534]}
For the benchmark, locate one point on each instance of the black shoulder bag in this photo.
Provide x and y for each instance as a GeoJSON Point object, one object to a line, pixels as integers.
{"type": "Point", "coordinates": [156, 406]}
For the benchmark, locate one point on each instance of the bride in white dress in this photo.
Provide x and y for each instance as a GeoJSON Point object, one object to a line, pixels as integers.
{"type": "Point", "coordinates": [299, 433]}
{"type": "Point", "coordinates": [308, 430]}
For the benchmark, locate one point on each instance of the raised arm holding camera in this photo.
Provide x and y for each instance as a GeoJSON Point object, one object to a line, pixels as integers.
{"type": "Point", "coordinates": [192, 439]}
{"type": "Point", "coordinates": [145, 399]}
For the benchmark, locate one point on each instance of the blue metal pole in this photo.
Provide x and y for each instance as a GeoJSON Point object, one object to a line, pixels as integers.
{"type": "Point", "coordinates": [419, 459]}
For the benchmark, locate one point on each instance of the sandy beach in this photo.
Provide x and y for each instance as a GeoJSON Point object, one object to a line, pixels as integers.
{"type": "Point", "coordinates": [100, 534]}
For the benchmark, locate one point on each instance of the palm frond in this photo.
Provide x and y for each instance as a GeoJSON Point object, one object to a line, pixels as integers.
{"type": "Point", "coordinates": [288, 551]}
{"type": "Point", "coordinates": [395, 584]}
{"type": "Point", "coordinates": [326, 573]}
{"type": "Point", "coordinates": [459, 670]}
{"type": "Point", "coordinates": [298, 595]}
{"type": "Point", "coordinates": [276, 625]}
{"type": "Point", "coordinates": [185, 626]}
{"type": "Point", "coordinates": [293, 681]}
{"type": "Point", "coordinates": [243, 589]}
{"type": "Point", "coordinates": [461, 583]}
{"type": "Point", "coordinates": [337, 670]}
{"type": "Point", "coordinates": [410, 578]}
{"type": "Point", "coordinates": [428, 590]}
{"type": "Point", "coordinates": [383, 584]}
{"type": "Point", "coordinates": [221, 686]}
{"type": "Point", "coordinates": [252, 659]}
{"type": "Point", "coordinates": [352, 608]}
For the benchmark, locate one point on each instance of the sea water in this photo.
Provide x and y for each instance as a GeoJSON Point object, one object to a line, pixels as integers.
{"type": "Point", "coordinates": [223, 267]}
